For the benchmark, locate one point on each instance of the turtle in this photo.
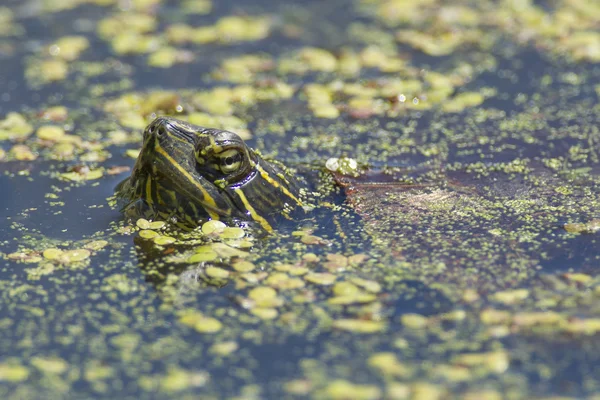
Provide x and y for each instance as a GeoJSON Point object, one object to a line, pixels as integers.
{"type": "Point", "coordinates": [188, 174]}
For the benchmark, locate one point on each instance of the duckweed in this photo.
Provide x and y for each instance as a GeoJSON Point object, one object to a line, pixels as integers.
{"type": "Point", "coordinates": [66, 256]}
{"type": "Point", "coordinates": [163, 240]}
{"type": "Point", "coordinates": [148, 234]}
{"type": "Point", "coordinates": [216, 272]}
{"type": "Point", "coordinates": [232, 233]}
{"type": "Point", "coordinates": [166, 57]}
{"type": "Point", "coordinates": [143, 224]}
{"type": "Point", "coordinates": [225, 348]}
{"type": "Point", "coordinates": [243, 266]}
{"type": "Point", "coordinates": [359, 326]}
{"type": "Point", "coordinates": [213, 226]}
{"type": "Point", "coordinates": [83, 174]}
{"type": "Point", "coordinates": [345, 289]}
{"type": "Point", "coordinates": [50, 365]}
{"type": "Point", "coordinates": [340, 389]}
{"type": "Point", "coordinates": [450, 253]}
{"type": "Point", "coordinates": [389, 365]}
{"type": "Point", "coordinates": [265, 313]}
{"type": "Point", "coordinates": [14, 126]}
{"type": "Point", "coordinates": [496, 362]}
{"type": "Point", "coordinates": [512, 296]}
{"type": "Point", "coordinates": [178, 379]}
{"type": "Point", "coordinates": [50, 132]}
{"type": "Point", "coordinates": [320, 278]}
{"type": "Point", "coordinates": [50, 70]}
{"type": "Point", "coordinates": [13, 372]}
{"type": "Point", "coordinates": [132, 153]}
{"type": "Point", "coordinates": [414, 321]}
{"type": "Point", "coordinates": [201, 323]}
{"type": "Point", "coordinates": [284, 282]}
{"type": "Point", "coordinates": [345, 166]}
{"type": "Point", "coordinates": [69, 48]}
{"type": "Point", "coordinates": [264, 297]}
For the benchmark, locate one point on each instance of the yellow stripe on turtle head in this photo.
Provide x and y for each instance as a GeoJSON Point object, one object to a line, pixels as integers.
{"type": "Point", "coordinates": [207, 198]}
{"type": "Point", "coordinates": [265, 175]}
{"type": "Point", "coordinates": [255, 216]}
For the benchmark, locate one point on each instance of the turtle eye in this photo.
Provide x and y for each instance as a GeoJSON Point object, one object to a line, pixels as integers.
{"type": "Point", "coordinates": [229, 161]}
{"type": "Point", "coordinates": [223, 157]}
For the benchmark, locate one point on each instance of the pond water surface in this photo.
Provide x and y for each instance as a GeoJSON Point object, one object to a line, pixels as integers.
{"type": "Point", "coordinates": [451, 151]}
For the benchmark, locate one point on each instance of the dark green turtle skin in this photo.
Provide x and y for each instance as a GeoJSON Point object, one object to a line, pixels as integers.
{"type": "Point", "coordinates": [189, 174]}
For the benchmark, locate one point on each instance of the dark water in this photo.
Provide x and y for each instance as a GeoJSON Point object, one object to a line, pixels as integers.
{"type": "Point", "coordinates": [460, 216]}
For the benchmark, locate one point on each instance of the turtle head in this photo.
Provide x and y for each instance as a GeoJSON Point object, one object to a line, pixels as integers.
{"type": "Point", "coordinates": [193, 173]}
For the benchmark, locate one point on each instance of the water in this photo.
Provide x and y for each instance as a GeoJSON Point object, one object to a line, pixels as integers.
{"type": "Point", "coordinates": [453, 267]}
